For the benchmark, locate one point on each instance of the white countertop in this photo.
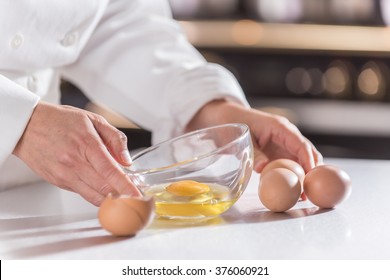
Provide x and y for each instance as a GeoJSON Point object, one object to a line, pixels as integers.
{"type": "Point", "coordinates": [42, 222]}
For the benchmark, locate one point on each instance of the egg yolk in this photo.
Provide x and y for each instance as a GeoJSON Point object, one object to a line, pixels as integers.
{"type": "Point", "coordinates": [187, 188]}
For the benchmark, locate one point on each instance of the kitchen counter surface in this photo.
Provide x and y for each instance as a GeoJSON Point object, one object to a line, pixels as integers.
{"type": "Point", "coordinates": [40, 221]}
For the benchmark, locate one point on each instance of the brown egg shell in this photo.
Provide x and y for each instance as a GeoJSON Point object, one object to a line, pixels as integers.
{"type": "Point", "coordinates": [143, 206]}
{"type": "Point", "coordinates": [327, 186]}
{"type": "Point", "coordinates": [279, 189]}
{"type": "Point", "coordinates": [288, 164]}
{"type": "Point", "coordinates": [125, 216]}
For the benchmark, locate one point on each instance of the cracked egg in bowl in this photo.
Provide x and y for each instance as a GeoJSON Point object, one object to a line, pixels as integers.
{"type": "Point", "coordinates": [200, 174]}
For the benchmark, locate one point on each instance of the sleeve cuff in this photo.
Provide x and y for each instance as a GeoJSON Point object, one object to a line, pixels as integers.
{"type": "Point", "coordinates": [193, 89]}
{"type": "Point", "coordinates": [16, 107]}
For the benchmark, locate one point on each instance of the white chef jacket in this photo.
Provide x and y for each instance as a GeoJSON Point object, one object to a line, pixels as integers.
{"type": "Point", "coordinates": [127, 54]}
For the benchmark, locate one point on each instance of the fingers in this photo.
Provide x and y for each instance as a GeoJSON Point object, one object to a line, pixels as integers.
{"type": "Point", "coordinates": [311, 153]}
{"type": "Point", "coordinates": [83, 180]}
{"type": "Point", "coordinates": [89, 194]}
{"type": "Point", "coordinates": [294, 142]}
{"type": "Point", "coordinates": [304, 155]}
{"type": "Point", "coordinates": [114, 139]}
{"type": "Point", "coordinates": [260, 160]}
{"type": "Point", "coordinates": [94, 180]}
{"type": "Point", "coordinates": [289, 139]}
{"type": "Point", "coordinates": [318, 158]}
{"type": "Point", "coordinates": [105, 162]}
{"type": "Point", "coordinates": [96, 176]}
{"type": "Point", "coordinates": [109, 170]}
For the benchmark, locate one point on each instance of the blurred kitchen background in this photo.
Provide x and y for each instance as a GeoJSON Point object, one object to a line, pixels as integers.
{"type": "Point", "coordinates": [324, 64]}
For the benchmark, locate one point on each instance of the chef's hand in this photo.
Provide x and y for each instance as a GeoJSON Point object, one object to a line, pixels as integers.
{"type": "Point", "coordinates": [76, 150]}
{"type": "Point", "coordinates": [273, 136]}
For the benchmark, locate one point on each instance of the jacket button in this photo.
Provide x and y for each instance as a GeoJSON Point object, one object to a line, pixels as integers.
{"type": "Point", "coordinates": [32, 83]}
{"type": "Point", "coordinates": [70, 39]}
{"type": "Point", "coordinates": [16, 41]}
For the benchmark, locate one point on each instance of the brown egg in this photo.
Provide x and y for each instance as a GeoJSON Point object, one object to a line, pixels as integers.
{"type": "Point", "coordinates": [124, 215]}
{"type": "Point", "coordinates": [326, 186]}
{"type": "Point", "coordinates": [279, 189]}
{"type": "Point", "coordinates": [288, 164]}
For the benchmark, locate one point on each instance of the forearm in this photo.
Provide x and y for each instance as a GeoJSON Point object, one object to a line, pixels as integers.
{"type": "Point", "coordinates": [217, 112]}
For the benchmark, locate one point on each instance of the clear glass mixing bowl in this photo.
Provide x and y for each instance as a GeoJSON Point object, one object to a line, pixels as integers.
{"type": "Point", "coordinates": [210, 169]}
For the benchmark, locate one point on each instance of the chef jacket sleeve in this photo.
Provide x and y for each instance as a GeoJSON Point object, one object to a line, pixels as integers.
{"type": "Point", "coordinates": [16, 107]}
{"type": "Point", "coordinates": [139, 63]}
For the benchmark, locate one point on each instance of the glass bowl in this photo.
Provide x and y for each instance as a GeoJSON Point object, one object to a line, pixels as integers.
{"type": "Point", "coordinates": [200, 174]}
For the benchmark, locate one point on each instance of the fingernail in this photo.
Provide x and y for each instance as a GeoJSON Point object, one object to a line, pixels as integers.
{"type": "Point", "coordinates": [259, 165]}
{"type": "Point", "coordinates": [126, 157]}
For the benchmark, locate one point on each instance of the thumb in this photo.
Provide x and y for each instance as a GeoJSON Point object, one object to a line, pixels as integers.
{"type": "Point", "coordinates": [260, 159]}
{"type": "Point", "coordinates": [114, 139]}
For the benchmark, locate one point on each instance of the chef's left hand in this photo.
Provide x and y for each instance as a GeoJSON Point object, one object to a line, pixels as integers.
{"type": "Point", "coordinates": [273, 136]}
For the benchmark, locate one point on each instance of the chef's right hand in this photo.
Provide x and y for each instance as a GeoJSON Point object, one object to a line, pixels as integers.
{"type": "Point", "coordinates": [76, 150]}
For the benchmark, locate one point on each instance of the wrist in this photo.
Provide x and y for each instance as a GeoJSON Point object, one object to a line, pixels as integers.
{"type": "Point", "coordinates": [217, 112]}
